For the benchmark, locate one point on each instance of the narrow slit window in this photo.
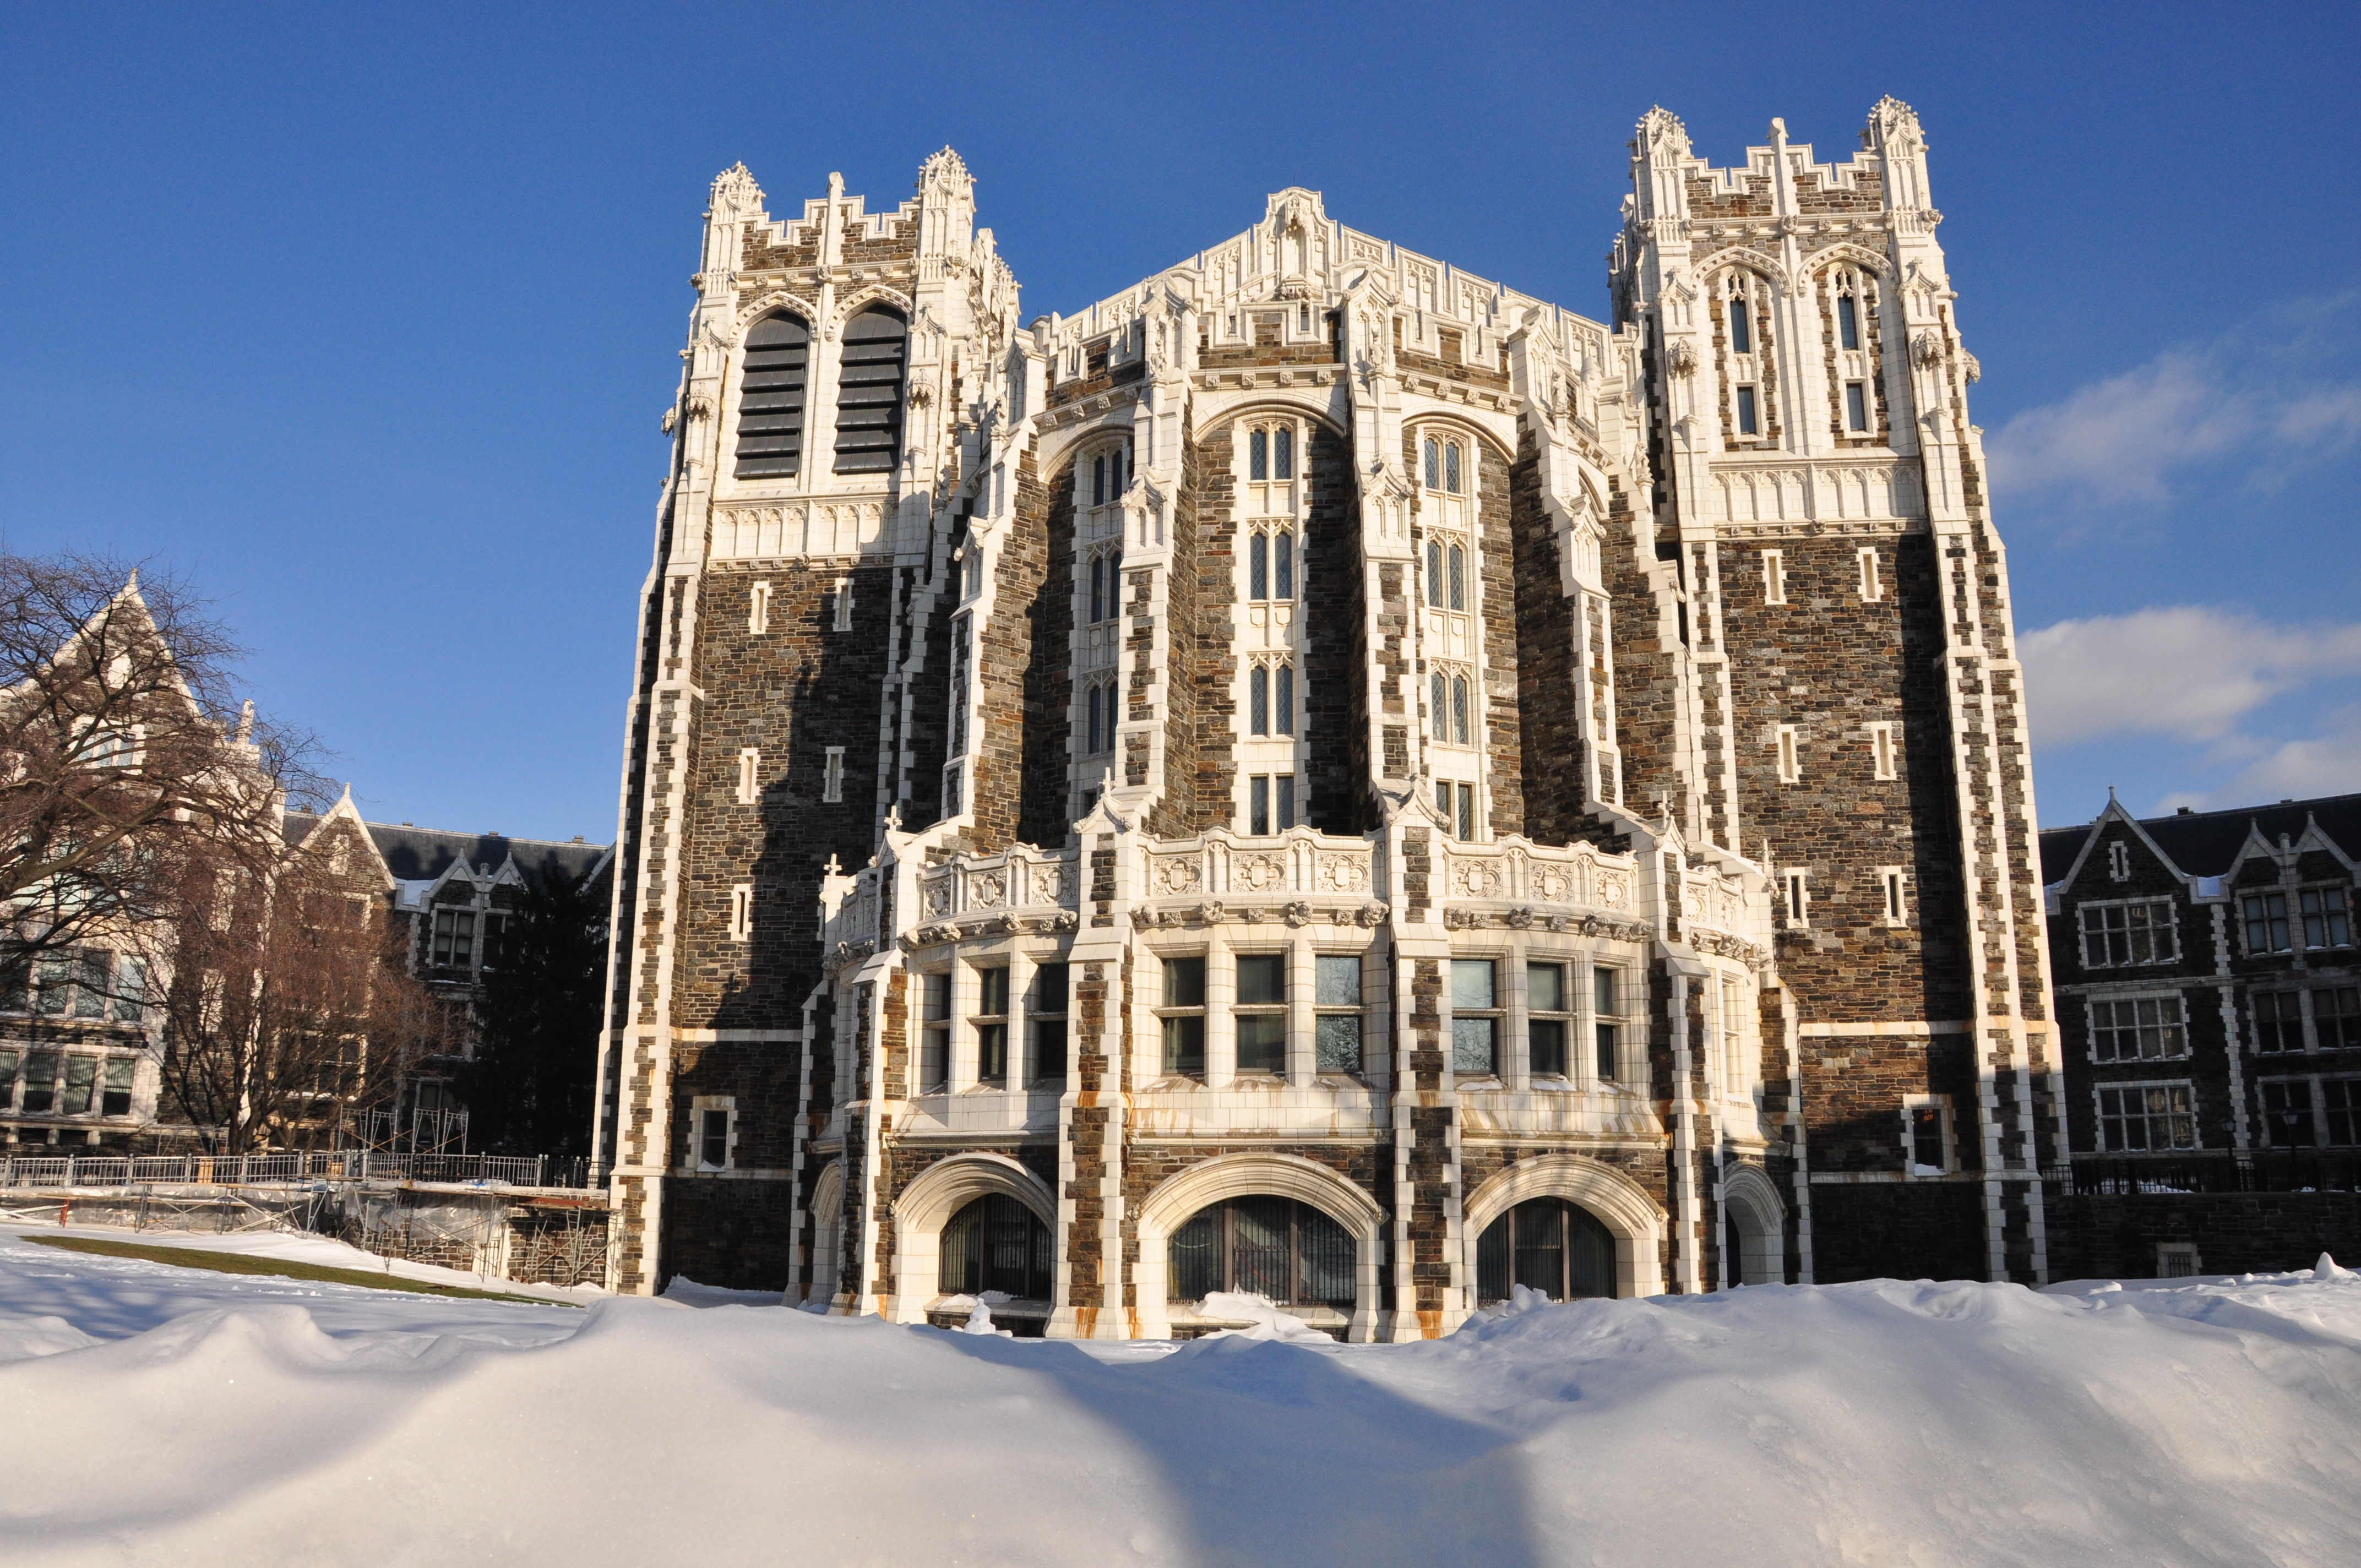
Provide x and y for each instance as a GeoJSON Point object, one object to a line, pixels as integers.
{"type": "Point", "coordinates": [758, 609]}
{"type": "Point", "coordinates": [1890, 879]}
{"type": "Point", "coordinates": [742, 912]}
{"type": "Point", "coordinates": [1872, 585]}
{"type": "Point", "coordinates": [1789, 766]}
{"type": "Point", "coordinates": [832, 779]}
{"type": "Point", "coordinates": [1606, 1021]}
{"type": "Point", "coordinates": [1774, 577]}
{"type": "Point", "coordinates": [1466, 813]}
{"type": "Point", "coordinates": [1441, 706]}
{"type": "Point", "coordinates": [1283, 791]}
{"type": "Point", "coordinates": [1458, 576]}
{"type": "Point", "coordinates": [1799, 899]}
{"type": "Point", "coordinates": [1459, 729]}
{"type": "Point", "coordinates": [1282, 454]}
{"type": "Point", "coordinates": [1283, 565]}
{"type": "Point", "coordinates": [1741, 327]}
{"type": "Point", "coordinates": [1091, 699]}
{"type": "Point", "coordinates": [1847, 322]}
{"type": "Point", "coordinates": [1433, 464]}
{"type": "Point", "coordinates": [1098, 588]}
{"type": "Point", "coordinates": [1259, 700]}
{"type": "Point", "coordinates": [1746, 424]}
{"type": "Point", "coordinates": [1856, 406]}
{"type": "Point", "coordinates": [1283, 678]}
{"type": "Point", "coordinates": [1451, 467]}
{"type": "Point", "coordinates": [1258, 455]}
{"type": "Point", "coordinates": [1434, 573]}
{"type": "Point", "coordinates": [750, 771]}
{"type": "Point", "coordinates": [1098, 481]}
{"type": "Point", "coordinates": [1259, 566]}
{"type": "Point", "coordinates": [844, 604]}
{"type": "Point", "coordinates": [1881, 740]}
{"type": "Point", "coordinates": [1259, 805]}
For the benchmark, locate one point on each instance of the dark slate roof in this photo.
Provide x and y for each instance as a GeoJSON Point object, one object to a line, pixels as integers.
{"type": "Point", "coordinates": [2203, 843]}
{"type": "Point", "coordinates": [421, 854]}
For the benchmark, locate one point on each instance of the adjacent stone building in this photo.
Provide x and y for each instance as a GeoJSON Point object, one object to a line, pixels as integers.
{"type": "Point", "coordinates": [1323, 775]}
{"type": "Point", "coordinates": [2209, 1014]}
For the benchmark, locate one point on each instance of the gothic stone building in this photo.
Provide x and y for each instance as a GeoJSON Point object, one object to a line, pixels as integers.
{"type": "Point", "coordinates": [1323, 775]}
{"type": "Point", "coordinates": [2210, 1021]}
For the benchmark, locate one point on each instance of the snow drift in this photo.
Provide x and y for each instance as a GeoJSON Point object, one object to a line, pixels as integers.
{"type": "Point", "coordinates": [154, 1417]}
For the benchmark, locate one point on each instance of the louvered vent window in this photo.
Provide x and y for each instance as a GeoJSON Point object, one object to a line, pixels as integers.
{"type": "Point", "coordinates": [869, 393]}
{"type": "Point", "coordinates": [771, 399]}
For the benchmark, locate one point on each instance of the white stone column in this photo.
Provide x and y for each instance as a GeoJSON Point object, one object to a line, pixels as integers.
{"type": "Point", "coordinates": [1302, 981]}
{"type": "Point", "coordinates": [1221, 1025]}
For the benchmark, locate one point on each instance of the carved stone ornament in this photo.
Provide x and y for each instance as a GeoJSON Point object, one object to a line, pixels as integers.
{"type": "Point", "coordinates": [939, 896]}
{"type": "Point", "coordinates": [986, 890]}
{"type": "Point", "coordinates": [1611, 888]}
{"type": "Point", "coordinates": [1344, 873]}
{"type": "Point", "coordinates": [698, 408]}
{"type": "Point", "coordinates": [1258, 873]}
{"type": "Point", "coordinates": [1478, 880]}
{"type": "Point", "coordinates": [1927, 350]}
{"type": "Point", "coordinates": [1297, 914]}
{"type": "Point", "coordinates": [1370, 914]}
{"type": "Point", "coordinates": [1681, 359]}
{"type": "Point", "coordinates": [1551, 883]}
{"type": "Point", "coordinates": [1178, 876]}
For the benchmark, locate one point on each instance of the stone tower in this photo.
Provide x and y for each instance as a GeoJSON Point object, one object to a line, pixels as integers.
{"type": "Point", "coordinates": [1321, 776]}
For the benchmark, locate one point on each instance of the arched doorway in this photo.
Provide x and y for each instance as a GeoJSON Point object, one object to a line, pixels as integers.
{"type": "Point", "coordinates": [1753, 1231]}
{"type": "Point", "coordinates": [1278, 1247]}
{"type": "Point", "coordinates": [1188, 1193]}
{"type": "Point", "coordinates": [1548, 1245]}
{"type": "Point", "coordinates": [996, 1243]}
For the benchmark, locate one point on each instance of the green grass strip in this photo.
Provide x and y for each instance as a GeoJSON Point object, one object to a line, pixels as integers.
{"type": "Point", "coordinates": [241, 1263]}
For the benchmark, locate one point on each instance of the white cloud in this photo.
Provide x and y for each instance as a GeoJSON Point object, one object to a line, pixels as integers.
{"type": "Point", "coordinates": [2325, 764]}
{"type": "Point", "coordinates": [2188, 671]}
{"type": "Point", "coordinates": [2115, 441]}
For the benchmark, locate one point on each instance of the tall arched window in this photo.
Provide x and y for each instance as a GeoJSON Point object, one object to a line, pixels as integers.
{"type": "Point", "coordinates": [1458, 575]}
{"type": "Point", "coordinates": [869, 392]}
{"type": "Point", "coordinates": [1546, 1244]}
{"type": "Point", "coordinates": [1441, 706]}
{"type": "Point", "coordinates": [1259, 700]}
{"type": "Point", "coordinates": [1283, 453]}
{"type": "Point", "coordinates": [1288, 1251]}
{"type": "Point", "coordinates": [1434, 573]}
{"type": "Point", "coordinates": [1433, 464]}
{"type": "Point", "coordinates": [771, 398]}
{"type": "Point", "coordinates": [1258, 455]}
{"type": "Point", "coordinates": [1741, 323]}
{"type": "Point", "coordinates": [1259, 565]}
{"type": "Point", "coordinates": [996, 1243]}
{"type": "Point", "coordinates": [1098, 482]}
{"type": "Point", "coordinates": [1283, 565]}
{"type": "Point", "coordinates": [1459, 709]}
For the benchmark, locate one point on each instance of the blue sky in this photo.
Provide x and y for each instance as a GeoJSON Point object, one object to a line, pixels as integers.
{"type": "Point", "coordinates": [365, 319]}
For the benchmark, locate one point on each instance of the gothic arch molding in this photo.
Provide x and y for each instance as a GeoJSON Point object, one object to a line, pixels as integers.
{"type": "Point", "coordinates": [1762, 1218]}
{"type": "Point", "coordinates": [1721, 261]}
{"type": "Point", "coordinates": [941, 1190]}
{"type": "Point", "coordinates": [1818, 264]}
{"type": "Point", "coordinates": [1619, 1203]}
{"type": "Point", "coordinates": [776, 300]}
{"type": "Point", "coordinates": [1184, 1192]}
{"type": "Point", "coordinates": [828, 1231]}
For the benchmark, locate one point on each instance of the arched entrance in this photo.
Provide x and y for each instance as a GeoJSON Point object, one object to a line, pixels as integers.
{"type": "Point", "coordinates": [1631, 1216]}
{"type": "Point", "coordinates": [1548, 1245]}
{"type": "Point", "coordinates": [930, 1204]}
{"type": "Point", "coordinates": [1753, 1227]}
{"type": "Point", "coordinates": [1284, 1186]}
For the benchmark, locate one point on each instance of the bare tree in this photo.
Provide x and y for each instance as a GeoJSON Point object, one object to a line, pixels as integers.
{"type": "Point", "coordinates": [288, 1001]}
{"type": "Point", "coordinates": [126, 766]}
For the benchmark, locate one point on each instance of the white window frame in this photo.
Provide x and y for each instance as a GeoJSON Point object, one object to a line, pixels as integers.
{"type": "Point", "coordinates": [1873, 584]}
{"type": "Point", "coordinates": [1884, 751]}
{"type": "Point", "coordinates": [742, 912]}
{"type": "Point", "coordinates": [1941, 1105]}
{"type": "Point", "coordinates": [2119, 862]}
{"type": "Point", "coordinates": [2099, 1106]}
{"type": "Point", "coordinates": [750, 776]}
{"type": "Point", "coordinates": [699, 1108]}
{"type": "Point", "coordinates": [1774, 577]}
{"type": "Point", "coordinates": [757, 609]}
{"type": "Point", "coordinates": [831, 787]}
{"type": "Point", "coordinates": [1790, 756]}
{"type": "Point", "coordinates": [1795, 893]}
{"type": "Point", "coordinates": [2083, 931]}
{"type": "Point", "coordinates": [2170, 1252]}
{"type": "Point", "coordinates": [1893, 895]}
{"type": "Point", "coordinates": [1737, 1075]}
{"type": "Point", "coordinates": [2091, 1005]}
{"type": "Point", "coordinates": [843, 596]}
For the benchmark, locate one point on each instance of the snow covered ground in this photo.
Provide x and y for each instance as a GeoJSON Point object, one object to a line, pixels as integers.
{"type": "Point", "coordinates": [153, 1414]}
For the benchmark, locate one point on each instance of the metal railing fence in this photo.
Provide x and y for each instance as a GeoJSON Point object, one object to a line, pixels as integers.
{"type": "Point", "coordinates": [567, 1171]}
{"type": "Point", "coordinates": [2261, 1170]}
